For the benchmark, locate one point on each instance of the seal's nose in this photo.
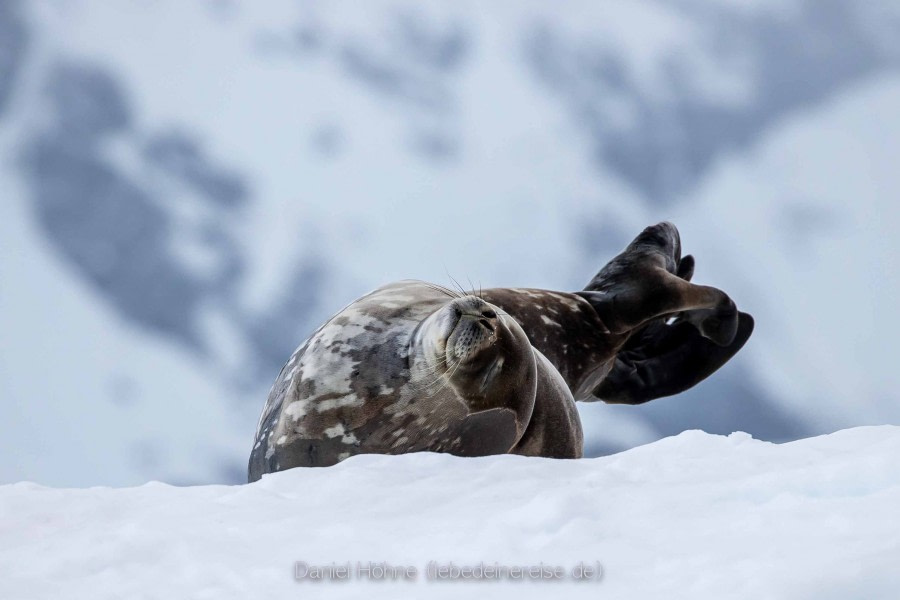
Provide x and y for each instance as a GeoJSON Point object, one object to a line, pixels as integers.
{"type": "Point", "coordinates": [477, 312]}
{"type": "Point", "coordinates": [486, 323]}
{"type": "Point", "coordinates": [473, 306]}
{"type": "Point", "coordinates": [481, 312]}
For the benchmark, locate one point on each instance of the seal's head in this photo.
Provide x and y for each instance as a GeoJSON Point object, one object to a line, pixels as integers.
{"type": "Point", "coordinates": [478, 350]}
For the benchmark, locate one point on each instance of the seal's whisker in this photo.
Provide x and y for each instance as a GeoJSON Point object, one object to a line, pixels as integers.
{"type": "Point", "coordinates": [471, 285]}
{"type": "Point", "coordinates": [440, 289]}
{"type": "Point", "coordinates": [435, 288]}
{"type": "Point", "coordinates": [430, 371]}
{"type": "Point", "coordinates": [425, 386]}
{"type": "Point", "coordinates": [455, 282]}
{"type": "Point", "coordinates": [449, 377]}
{"type": "Point", "coordinates": [453, 292]}
{"type": "Point", "coordinates": [445, 290]}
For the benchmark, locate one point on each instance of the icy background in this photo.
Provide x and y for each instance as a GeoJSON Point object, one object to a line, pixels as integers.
{"type": "Point", "coordinates": [188, 188]}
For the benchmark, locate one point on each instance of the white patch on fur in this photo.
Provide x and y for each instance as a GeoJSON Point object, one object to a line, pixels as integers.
{"type": "Point", "coordinates": [550, 321]}
{"type": "Point", "coordinates": [335, 431]}
{"type": "Point", "coordinates": [332, 403]}
{"type": "Point", "coordinates": [567, 301]}
{"type": "Point", "coordinates": [296, 409]}
{"type": "Point", "coordinates": [338, 430]}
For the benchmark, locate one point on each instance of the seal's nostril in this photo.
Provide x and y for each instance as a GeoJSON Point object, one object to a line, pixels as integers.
{"type": "Point", "coordinates": [488, 313]}
{"type": "Point", "coordinates": [486, 324]}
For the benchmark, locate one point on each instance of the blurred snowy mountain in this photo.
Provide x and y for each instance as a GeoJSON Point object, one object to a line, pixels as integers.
{"type": "Point", "coordinates": [189, 188]}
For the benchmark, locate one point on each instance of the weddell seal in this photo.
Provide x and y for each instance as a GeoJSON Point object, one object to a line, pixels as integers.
{"type": "Point", "coordinates": [414, 366]}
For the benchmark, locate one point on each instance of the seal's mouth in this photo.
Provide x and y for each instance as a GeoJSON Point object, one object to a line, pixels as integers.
{"type": "Point", "coordinates": [473, 326]}
{"type": "Point", "coordinates": [469, 336]}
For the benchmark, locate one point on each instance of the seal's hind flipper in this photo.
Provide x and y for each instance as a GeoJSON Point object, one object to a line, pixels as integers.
{"type": "Point", "coordinates": [686, 268]}
{"type": "Point", "coordinates": [656, 246]}
{"type": "Point", "coordinates": [650, 280]}
{"type": "Point", "coordinates": [663, 360]}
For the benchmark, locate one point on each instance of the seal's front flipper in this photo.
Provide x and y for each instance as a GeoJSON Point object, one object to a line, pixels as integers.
{"type": "Point", "coordinates": [664, 360]}
{"type": "Point", "coordinates": [486, 432]}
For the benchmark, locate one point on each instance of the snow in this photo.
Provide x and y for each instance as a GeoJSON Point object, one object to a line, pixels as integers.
{"type": "Point", "coordinates": [691, 516]}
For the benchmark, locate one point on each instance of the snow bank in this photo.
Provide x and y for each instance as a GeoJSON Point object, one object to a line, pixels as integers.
{"type": "Point", "coordinates": [695, 515]}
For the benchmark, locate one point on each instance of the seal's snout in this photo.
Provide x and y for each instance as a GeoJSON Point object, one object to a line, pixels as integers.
{"type": "Point", "coordinates": [475, 328]}
{"type": "Point", "coordinates": [481, 312]}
